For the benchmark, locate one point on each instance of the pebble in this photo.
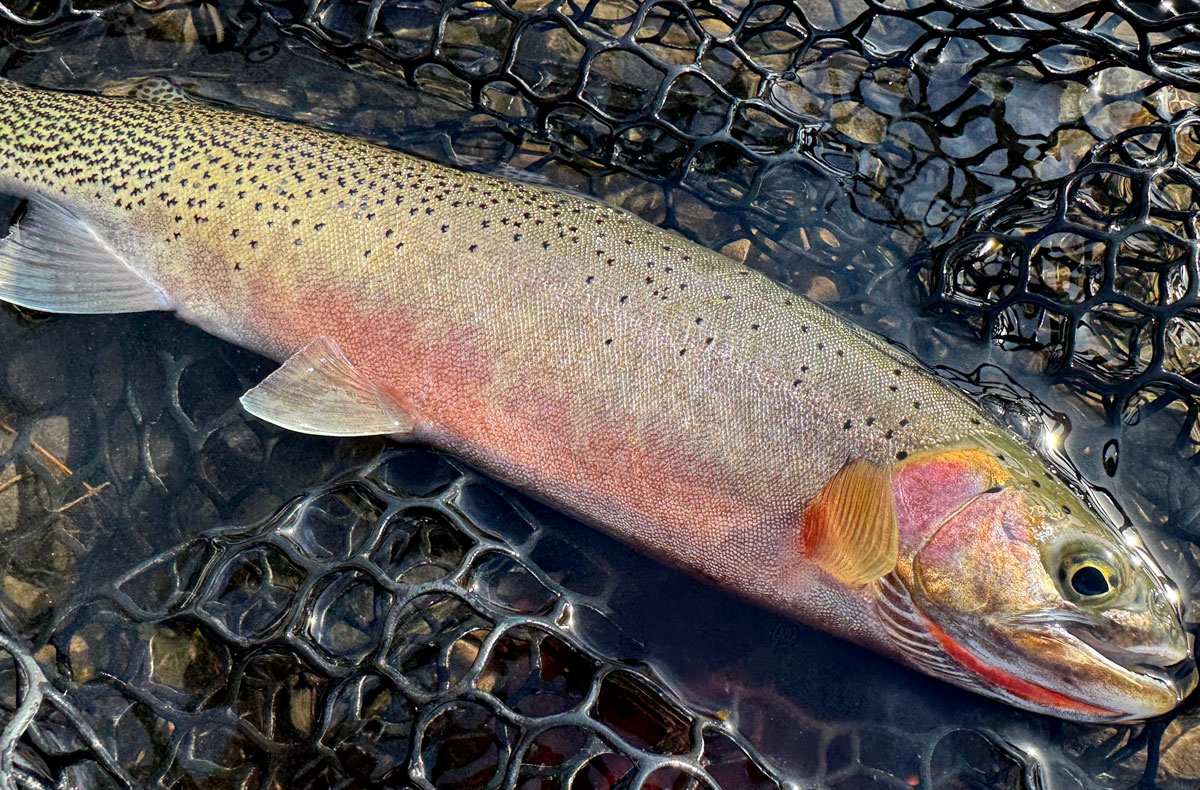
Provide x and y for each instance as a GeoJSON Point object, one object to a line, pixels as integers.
{"type": "Point", "coordinates": [737, 250]}
{"type": "Point", "coordinates": [858, 122]}
{"type": "Point", "coordinates": [1181, 749]}
{"type": "Point", "coordinates": [29, 598]}
{"type": "Point", "coordinates": [822, 289]}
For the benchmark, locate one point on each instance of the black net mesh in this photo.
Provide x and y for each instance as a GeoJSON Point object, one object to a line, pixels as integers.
{"type": "Point", "coordinates": [1094, 273]}
{"type": "Point", "coordinates": [316, 613]}
{"type": "Point", "coordinates": [749, 104]}
{"type": "Point", "coordinates": [369, 635]}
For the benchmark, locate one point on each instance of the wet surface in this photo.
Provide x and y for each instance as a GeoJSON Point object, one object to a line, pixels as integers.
{"type": "Point", "coordinates": [1009, 191]}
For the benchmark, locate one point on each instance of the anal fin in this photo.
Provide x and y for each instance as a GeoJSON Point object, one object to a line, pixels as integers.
{"type": "Point", "coordinates": [850, 527]}
{"type": "Point", "coordinates": [52, 260]}
{"type": "Point", "coordinates": [318, 391]}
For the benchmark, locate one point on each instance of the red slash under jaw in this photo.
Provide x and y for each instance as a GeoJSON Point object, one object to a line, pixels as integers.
{"type": "Point", "coordinates": [1024, 689]}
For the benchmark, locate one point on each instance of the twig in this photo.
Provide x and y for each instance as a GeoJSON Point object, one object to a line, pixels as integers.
{"type": "Point", "coordinates": [50, 457]}
{"type": "Point", "coordinates": [91, 492]}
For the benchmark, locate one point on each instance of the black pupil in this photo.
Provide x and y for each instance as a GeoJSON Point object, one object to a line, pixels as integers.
{"type": "Point", "coordinates": [1089, 581]}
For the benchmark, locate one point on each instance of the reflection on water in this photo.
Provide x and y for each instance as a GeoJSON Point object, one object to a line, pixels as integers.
{"type": "Point", "coordinates": [407, 623]}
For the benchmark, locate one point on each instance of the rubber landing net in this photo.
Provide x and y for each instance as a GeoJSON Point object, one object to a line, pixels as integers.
{"type": "Point", "coordinates": [394, 624]}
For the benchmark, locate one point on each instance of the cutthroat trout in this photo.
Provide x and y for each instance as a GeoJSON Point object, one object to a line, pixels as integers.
{"type": "Point", "coordinates": [642, 383]}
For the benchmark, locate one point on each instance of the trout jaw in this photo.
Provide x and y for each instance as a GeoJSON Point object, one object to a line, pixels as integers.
{"type": "Point", "coordinates": [1039, 667]}
{"type": "Point", "coordinates": [1055, 672]}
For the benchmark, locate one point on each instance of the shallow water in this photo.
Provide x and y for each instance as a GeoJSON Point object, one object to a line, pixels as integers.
{"type": "Point", "coordinates": [835, 163]}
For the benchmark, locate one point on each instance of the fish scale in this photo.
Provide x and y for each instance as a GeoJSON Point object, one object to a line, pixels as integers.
{"type": "Point", "coordinates": [641, 382]}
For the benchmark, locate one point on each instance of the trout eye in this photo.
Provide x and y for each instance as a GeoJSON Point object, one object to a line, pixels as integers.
{"type": "Point", "coordinates": [1087, 575]}
{"type": "Point", "coordinates": [1089, 581]}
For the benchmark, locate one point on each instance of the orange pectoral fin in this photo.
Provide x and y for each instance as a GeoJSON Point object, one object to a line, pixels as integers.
{"type": "Point", "coordinates": [849, 527]}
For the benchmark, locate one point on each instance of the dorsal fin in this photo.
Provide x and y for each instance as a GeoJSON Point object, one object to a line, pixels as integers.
{"type": "Point", "coordinates": [318, 391]}
{"type": "Point", "coordinates": [850, 528]}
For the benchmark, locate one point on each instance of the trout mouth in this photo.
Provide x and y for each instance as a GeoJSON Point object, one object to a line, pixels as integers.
{"type": "Point", "coordinates": [1101, 683]}
{"type": "Point", "coordinates": [1086, 629]}
{"type": "Point", "coordinates": [1171, 667]}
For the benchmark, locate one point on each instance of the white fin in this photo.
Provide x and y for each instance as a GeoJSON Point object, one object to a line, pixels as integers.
{"type": "Point", "coordinates": [318, 391]}
{"type": "Point", "coordinates": [52, 260]}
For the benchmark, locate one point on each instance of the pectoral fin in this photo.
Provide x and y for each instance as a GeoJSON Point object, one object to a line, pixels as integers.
{"type": "Point", "coordinates": [318, 391]}
{"type": "Point", "coordinates": [53, 260]}
{"type": "Point", "coordinates": [850, 527]}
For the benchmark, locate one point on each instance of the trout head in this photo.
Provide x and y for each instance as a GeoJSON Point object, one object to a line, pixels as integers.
{"type": "Point", "coordinates": [1006, 583]}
